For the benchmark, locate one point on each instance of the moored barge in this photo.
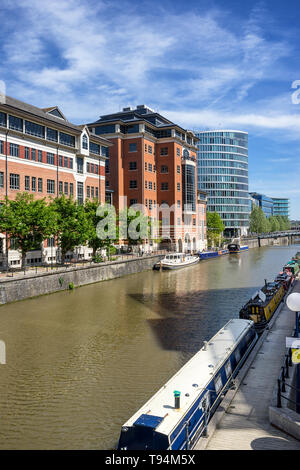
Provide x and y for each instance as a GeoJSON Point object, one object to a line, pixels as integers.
{"type": "Point", "coordinates": [176, 416]}
{"type": "Point", "coordinates": [237, 248]}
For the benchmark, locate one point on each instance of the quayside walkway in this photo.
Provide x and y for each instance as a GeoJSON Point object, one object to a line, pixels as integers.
{"type": "Point", "coordinates": [245, 424]}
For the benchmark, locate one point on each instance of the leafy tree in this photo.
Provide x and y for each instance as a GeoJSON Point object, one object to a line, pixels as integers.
{"type": "Point", "coordinates": [215, 227]}
{"type": "Point", "coordinates": [72, 224]}
{"type": "Point", "coordinates": [274, 224]}
{"type": "Point", "coordinates": [100, 218]}
{"type": "Point", "coordinates": [134, 226]}
{"type": "Point", "coordinates": [28, 220]}
{"type": "Point", "coordinates": [258, 221]}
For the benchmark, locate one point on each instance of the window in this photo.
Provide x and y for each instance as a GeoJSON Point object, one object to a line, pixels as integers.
{"type": "Point", "coordinates": [133, 201]}
{"type": "Point", "coordinates": [150, 184]}
{"type": "Point", "coordinates": [27, 155]}
{"type": "Point", "coordinates": [164, 151]}
{"type": "Point", "coordinates": [178, 221]}
{"type": "Point", "coordinates": [92, 192]}
{"type": "Point", "coordinates": [150, 204]}
{"type": "Point", "coordinates": [88, 191]}
{"type": "Point", "coordinates": [52, 135]}
{"type": "Point", "coordinates": [164, 186]}
{"type": "Point", "coordinates": [149, 149]}
{"type": "Point", "coordinates": [51, 242]}
{"type": "Point", "coordinates": [92, 167]}
{"type": "Point", "coordinates": [178, 169]}
{"type": "Point", "coordinates": [15, 123]}
{"type": "Point", "coordinates": [178, 186]}
{"type": "Point", "coordinates": [132, 165]}
{"type": "Point", "coordinates": [178, 204]}
{"type": "Point", "coordinates": [87, 167]}
{"type": "Point", "coordinates": [60, 160]}
{"type": "Point", "coordinates": [132, 184]}
{"type": "Point", "coordinates": [71, 162]}
{"type": "Point", "coordinates": [2, 119]}
{"type": "Point", "coordinates": [164, 169]}
{"type": "Point", "coordinates": [228, 369]}
{"type": "Point", "coordinates": [14, 150]}
{"type": "Point", "coordinates": [1, 146]}
{"type": "Point", "coordinates": [150, 167]}
{"type": "Point", "coordinates": [132, 147]}
{"type": "Point", "coordinates": [194, 221]}
{"type": "Point", "coordinates": [14, 181]}
{"type": "Point", "coordinates": [33, 184]}
{"type": "Point", "coordinates": [146, 184]}
{"type": "Point", "coordinates": [40, 156]}
{"type": "Point", "coordinates": [97, 193]}
{"type": "Point", "coordinates": [218, 384]}
{"type": "Point", "coordinates": [1, 179]}
{"type": "Point", "coordinates": [79, 165]}
{"type": "Point", "coordinates": [85, 142]}
{"type": "Point", "coordinates": [66, 139]}
{"type": "Point", "coordinates": [50, 158]}
{"type": "Point", "coordinates": [66, 188]}
{"type": "Point", "coordinates": [32, 128]}
{"type": "Point", "coordinates": [40, 185]}
{"type": "Point", "coordinates": [178, 152]}
{"type": "Point", "coordinates": [146, 166]}
{"type": "Point", "coordinates": [60, 187]}
{"type": "Point", "coordinates": [50, 186]}
{"type": "Point", "coordinates": [107, 166]}
{"type": "Point", "coordinates": [66, 162]}
{"type": "Point", "coordinates": [71, 189]}
{"type": "Point", "coordinates": [80, 194]}
{"type": "Point", "coordinates": [33, 155]}
{"type": "Point", "coordinates": [95, 148]}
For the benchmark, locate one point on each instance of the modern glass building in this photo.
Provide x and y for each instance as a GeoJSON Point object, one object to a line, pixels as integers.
{"type": "Point", "coordinates": [281, 206]}
{"type": "Point", "coordinates": [264, 202]}
{"type": "Point", "coordinates": [222, 171]}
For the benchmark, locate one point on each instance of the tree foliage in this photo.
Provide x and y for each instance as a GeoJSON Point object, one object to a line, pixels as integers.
{"type": "Point", "coordinates": [215, 227]}
{"type": "Point", "coordinates": [259, 223]}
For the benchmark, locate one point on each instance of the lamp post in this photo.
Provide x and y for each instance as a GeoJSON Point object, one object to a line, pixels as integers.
{"type": "Point", "coordinates": [293, 303]}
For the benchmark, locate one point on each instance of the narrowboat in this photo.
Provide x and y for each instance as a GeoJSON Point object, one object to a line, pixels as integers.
{"type": "Point", "coordinates": [177, 415]}
{"type": "Point", "coordinates": [286, 279]}
{"type": "Point", "coordinates": [237, 248]}
{"type": "Point", "coordinates": [176, 261]}
{"type": "Point", "coordinates": [262, 305]}
{"type": "Point", "coordinates": [208, 254]}
{"type": "Point", "coordinates": [292, 266]}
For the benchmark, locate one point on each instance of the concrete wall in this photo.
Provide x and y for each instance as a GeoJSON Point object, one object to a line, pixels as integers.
{"type": "Point", "coordinates": [255, 242]}
{"type": "Point", "coordinates": [12, 289]}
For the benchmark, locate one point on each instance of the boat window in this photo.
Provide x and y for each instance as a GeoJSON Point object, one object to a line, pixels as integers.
{"type": "Point", "coordinates": [218, 384]}
{"type": "Point", "coordinates": [237, 355]}
{"type": "Point", "coordinates": [228, 369]}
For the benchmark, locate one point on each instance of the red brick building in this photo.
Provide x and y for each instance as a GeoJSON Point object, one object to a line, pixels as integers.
{"type": "Point", "coordinates": [43, 153]}
{"type": "Point", "coordinates": [152, 162]}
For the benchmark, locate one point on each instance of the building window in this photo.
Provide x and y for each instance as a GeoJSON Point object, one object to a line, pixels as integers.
{"type": "Point", "coordinates": [60, 160]}
{"type": "Point", "coordinates": [50, 186]}
{"type": "Point", "coordinates": [50, 158]}
{"type": "Point", "coordinates": [132, 184]}
{"type": "Point", "coordinates": [178, 152]}
{"type": "Point", "coordinates": [66, 162]}
{"type": "Point", "coordinates": [33, 155]}
{"type": "Point", "coordinates": [16, 123]}
{"type": "Point", "coordinates": [92, 192]}
{"type": "Point", "coordinates": [71, 162]}
{"type": "Point", "coordinates": [85, 142]}
{"type": "Point", "coordinates": [178, 186]}
{"type": "Point", "coordinates": [66, 139]}
{"type": "Point", "coordinates": [32, 128]}
{"type": "Point", "coordinates": [178, 204]}
{"type": "Point", "coordinates": [95, 148]}
{"type": "Point", "coordinates": [80, 194]}
{"type": "Point", "coordinates": [71, 189]}
{"type": "Point", "coordinates": [33, 184]}
{"type": "Point", "coordinates": [107, 166]}
{"type": "Point", "coordinates": [40, 185]}
{"type": "Point", "coordinates": [132, 147]}
{"type": "Point", "coordinates": [164, 151]}
{"type": "Point", "coordinates": [164, 169]}
{"type": "Point", "coordinates": [60, 187]}
{"type": "Point", "coordinates": [52, 135]}
{"type": "Point", "coordinates": [146, 184]}
{"type": "Point", "coordinates": [149, 149]}
{"type": "Point", "coordinates": [14, 150]}
{"type": "Point", "coordinates": [150, 184]}
{"type": "Point", "coordinates": [14, 181]}
{"type": "Point", "coordinates": [51, 242]}
{"type": "Point", "coordinates": [79, 165]}
{"type": "Point", "coordinates": [66, 188]}
{"type": "Point", "coordinates": [132, 165]}
{"type": "Point", "coordinates": [164, 186]}
{"type": "Point", "coordinates": [27, 155]}
{"type": "Point", "coordinates": [146, 166]}
{"type": "Point", "coordinates": [1, 146]}
{"type": "Point", "coordinates": [1, 179]}
{"type": "Point", "coordinates": [178, 169]}
{"type": "Point", "coordinates": [133, 201]}
{"type": "Point", "coordinates": [2, 119]}
{"type": "Point", "coordinates": [97, 193]}
{"type": "Point", "coordinates": [40, 156]}
{"type": "Point", "coordinates": [88, 192]}
{"type": "Point", "coordinates": [150, 167]}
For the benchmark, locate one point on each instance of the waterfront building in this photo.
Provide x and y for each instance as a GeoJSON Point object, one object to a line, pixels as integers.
{"type": "Point", "coordinates": [41, 152]}
{"type": "Point", "coordinates": [264, 202]}
{"type": "Point", "coordinates": [152, 162]}
{"type": "Point", "coordinates": [281, 206]}
{"type": "Point", "coordinates": [222, 169]}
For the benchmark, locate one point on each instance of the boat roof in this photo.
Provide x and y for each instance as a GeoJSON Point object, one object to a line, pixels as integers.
{"type": "Point", "coordinates": [190, 380]}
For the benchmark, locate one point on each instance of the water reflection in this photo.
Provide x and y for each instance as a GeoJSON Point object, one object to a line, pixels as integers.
{"type": "Point", "coordinates": [80, 363]}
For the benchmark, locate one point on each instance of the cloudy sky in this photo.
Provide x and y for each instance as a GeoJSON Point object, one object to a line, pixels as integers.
{"type": "Point", "coordinates": [203, 64]}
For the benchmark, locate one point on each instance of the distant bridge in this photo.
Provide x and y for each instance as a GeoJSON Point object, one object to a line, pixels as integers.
{"type": "Point", "coordinates": [286, 233]}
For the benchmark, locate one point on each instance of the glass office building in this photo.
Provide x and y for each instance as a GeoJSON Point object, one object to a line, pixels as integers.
{"type": "Point", "coordinates": [264, 202]}
{"type": "Point", "coordinates": [281, 206]}
{"type": "Point", "coordinates": [222, 171]}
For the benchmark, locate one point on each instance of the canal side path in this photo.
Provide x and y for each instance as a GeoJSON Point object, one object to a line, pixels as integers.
{"type": "Point", "coordinates": [242, 420]}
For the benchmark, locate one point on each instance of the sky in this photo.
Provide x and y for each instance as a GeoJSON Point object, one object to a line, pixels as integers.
{"type": "Point", "coordinates": [202, 64]}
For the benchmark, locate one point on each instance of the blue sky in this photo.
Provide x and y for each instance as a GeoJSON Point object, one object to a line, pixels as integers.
{"type": "Point", "coordinates": [203, 64]}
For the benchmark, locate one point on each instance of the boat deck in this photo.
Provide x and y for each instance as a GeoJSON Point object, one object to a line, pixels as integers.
{"type": "Point", "coordinates": [245, 425]}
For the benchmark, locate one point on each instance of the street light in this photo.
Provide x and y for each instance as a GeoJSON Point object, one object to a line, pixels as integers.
{"type": "Point", "coordinates": [293, 303]}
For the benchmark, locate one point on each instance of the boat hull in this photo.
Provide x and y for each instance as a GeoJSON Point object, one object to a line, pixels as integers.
{"type": "Point", "coordinates": [172, 267]}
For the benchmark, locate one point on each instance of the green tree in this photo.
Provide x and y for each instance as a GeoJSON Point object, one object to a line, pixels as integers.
{"type": "Point", "coordinates": [274, 224]}
{"type": "Point", "coordinates": [134, 226]}
{"type": "Point", "coordinates": [28, 220]}
{"type": "Point", "coordinates": [72, 224]}
{"type": "Point", "coordinates": [258, 221]}
{"type": "Point", "coordinates": [100, 218]}
{"type": "Point", "coordinates": [215, 227]}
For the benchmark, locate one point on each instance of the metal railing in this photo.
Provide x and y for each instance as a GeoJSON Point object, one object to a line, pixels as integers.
{"type": "Point", "coordinates": [282, 384]}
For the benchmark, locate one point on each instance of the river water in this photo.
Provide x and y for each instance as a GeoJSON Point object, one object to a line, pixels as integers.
{"type": "Point", "coordinates": [80, 363]}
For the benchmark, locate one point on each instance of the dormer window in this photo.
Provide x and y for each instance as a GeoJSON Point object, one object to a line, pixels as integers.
{"type": "Point", "coordinates": [85, 142]}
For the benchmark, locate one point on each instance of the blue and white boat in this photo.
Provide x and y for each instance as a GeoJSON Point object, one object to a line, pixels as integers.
{"type": "Point", "coordinates": [177, 415]}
